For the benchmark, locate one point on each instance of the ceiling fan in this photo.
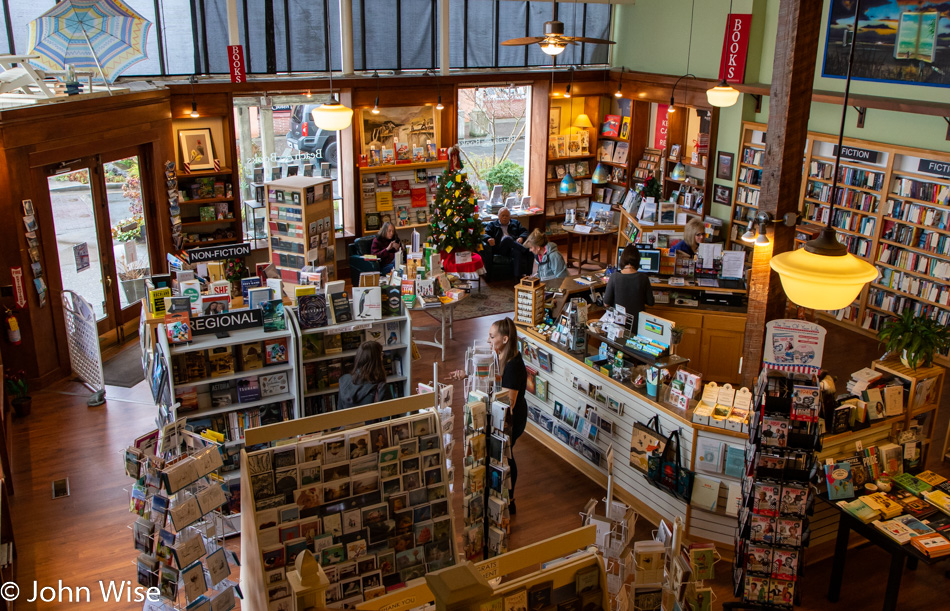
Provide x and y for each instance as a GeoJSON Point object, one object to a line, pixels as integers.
{"type": "Point", "coordinates": [554, 41]}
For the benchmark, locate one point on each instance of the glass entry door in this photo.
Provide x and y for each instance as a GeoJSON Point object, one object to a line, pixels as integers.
{"type": "Point", "coordinates": [101, 238]}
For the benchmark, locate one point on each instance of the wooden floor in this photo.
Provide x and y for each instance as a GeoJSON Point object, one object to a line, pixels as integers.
{"type": "Point", "coordinates": [85, 538]}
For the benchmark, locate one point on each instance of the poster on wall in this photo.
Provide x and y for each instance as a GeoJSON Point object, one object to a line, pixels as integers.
{"type": "Point", "coordinates": [793, 345]}
{"type": "Point", "coordinates": [81, 255]}
{"type": "Point", "coordinates": [409, 125]}
{"type": "Point", "coordinates": [898, 42]}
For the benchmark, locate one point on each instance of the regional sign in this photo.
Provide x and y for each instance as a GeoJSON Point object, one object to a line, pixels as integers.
{"type": "Point", "coordinates": [228, 321]}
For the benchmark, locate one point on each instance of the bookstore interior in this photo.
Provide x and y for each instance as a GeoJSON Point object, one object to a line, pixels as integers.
{"type": "Point", "coordinates": [286, 299]}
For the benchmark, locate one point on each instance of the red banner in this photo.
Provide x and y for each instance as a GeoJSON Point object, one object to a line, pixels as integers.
{"type": "Point", "coordinates": [236, 63]}
{"type": "Point", "coordinates": [19, 292]}
{"type": "Point", "coordinates": [735, 48]}
{"type": "Point", "coordinates": [662, 126]}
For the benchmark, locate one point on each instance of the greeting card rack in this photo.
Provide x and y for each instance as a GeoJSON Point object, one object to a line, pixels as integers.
{"type": "Point", "coordinates": [777, 496]}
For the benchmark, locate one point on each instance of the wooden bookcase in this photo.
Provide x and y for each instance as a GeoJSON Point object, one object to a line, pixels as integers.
{"type": "Point", "coordinates": [209, 210]}
{"type": "Point", "coordinates": [893, 213]}
{"type": "Point", "coordinates": [300, 225]}
{"type": "Point", "coordinates": [694, 131]}
{"type": "Point", "coordinates": [416, 217]}
{"type": "Point", "coordinates": [922, 402]}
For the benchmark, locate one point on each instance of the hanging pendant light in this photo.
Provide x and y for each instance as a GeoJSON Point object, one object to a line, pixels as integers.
{"type": "Point", "coordinates": [679, 171]}
{"type": "Point", "coordinates": [823, 275]}
{"type": "Point", "coordinates": [194, 104]}
{"type": "Point", "coordinates": [723, 94]}
{"type": "Point", "coordinates": [375, 110]}
{"type": "Point", "coordinates": [332, 115]}
{"type": "Point", "coordinates": [619, 92]}
{"type": "Point", "coordinates": [600, 175]}
{"type": "Point", "coordinates": [568, 185]}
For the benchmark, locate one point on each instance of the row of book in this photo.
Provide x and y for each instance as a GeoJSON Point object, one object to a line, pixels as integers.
{"type": "Point", "coordinates": [752, 156]}
{"type": "Point", "coordinates": [846, 198]}
{"type": "Point", "coordinates": [913, 261]}
{"type": "Point", "coordinates": [916, 237]}
{"type": "Point", "coordinates": [233, 423]}
{"type": "Point", "coordinates": [577, 170]}
{"type": "Point", "coordinates": [936, 292]}
{"type": "Point", "coordinates": [204, 188]}
{"type": "Point", "coordinates": [204, 365]}
{"type": "Point", "coordinates": [561, 146]}
{"type": "Point", "coordinates": [896, 304]}
{"type": "Point", "coordinates": [927, 191]}
{"type": "Point", "coordinates": [842, 219]}
{"type": "Point", "coordinates": [846, 175]}
{"type": "Point", "coordinates": [401, 153]}
{"type": "Point", "coordinates": [917, 213]}
{"type": "Point", "coordinates": [750, 176]}
{"type": "Point", "coordinates": [748, 196]}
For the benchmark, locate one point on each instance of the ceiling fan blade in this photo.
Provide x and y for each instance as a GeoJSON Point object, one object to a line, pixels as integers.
{"type": "Point", "coordinates": [515, 42]}
{"type": "Point", "coordinates": [591, 41]}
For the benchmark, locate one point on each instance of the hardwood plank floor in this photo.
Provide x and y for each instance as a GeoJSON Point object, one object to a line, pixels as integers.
{"type": "Point", "coordinates": [85, 537]}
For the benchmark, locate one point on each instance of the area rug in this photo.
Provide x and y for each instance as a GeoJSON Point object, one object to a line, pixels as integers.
{"type": "Point", "coordinates": [490, 301]}
{"type": "Point", "coordinates": [125, 368]}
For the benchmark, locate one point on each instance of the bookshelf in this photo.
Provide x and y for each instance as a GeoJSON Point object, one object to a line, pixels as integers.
{"type": "Point", "coordinates": [381, 202]}
{"type": "Point", "coordinates": [326, 353]}
{"type": "Point", "coordinates": [893, 211]}
{"type": "Point", "coordinates": [694, 131]}
{"type": "Point", "coordinates": [209, 213]}
{"type": "Point", "coordinates": [300, 227]}
{"type": "Point", "coordinates": [922, 400]}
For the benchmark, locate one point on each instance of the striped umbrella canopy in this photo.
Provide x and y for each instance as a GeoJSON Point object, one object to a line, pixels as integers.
{"type": "Point", "coordinates": [103, 34]}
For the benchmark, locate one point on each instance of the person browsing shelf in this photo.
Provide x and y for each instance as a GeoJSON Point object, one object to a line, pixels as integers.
{"type": "Point", "coordinates": [367, 383]}
{"type": "Point", "coordinates": [693, 235]}
{"type": "Point", "coordinates": [551, 264]}
{"type": "Point", "coordinates": [506, 237]}
{"type": "Point", "coordinates": [628, 287]}
{"type": "Point", "coordinates": [385, 246]}
{"type": "Point", "coordinates": [503, 337]}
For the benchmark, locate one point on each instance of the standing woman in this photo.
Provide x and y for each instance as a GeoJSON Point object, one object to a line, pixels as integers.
{"type": "Point", "coordinates": [503, 337]}
{"type": "Point", "coordinates": [367, 383]}
{"type": "Point", "coordinates": [629, 287]}
{"type": "Point", "coordinates": [385, 246]}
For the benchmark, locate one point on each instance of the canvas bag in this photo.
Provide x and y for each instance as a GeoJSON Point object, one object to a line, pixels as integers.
{"type": "Point", "coordinates": [666, 471]}
{"type": "Point", "coordinates": [644, 441]}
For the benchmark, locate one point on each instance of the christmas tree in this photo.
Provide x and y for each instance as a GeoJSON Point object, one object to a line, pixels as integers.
{"type": "Point", "coordinates": [454, 223]}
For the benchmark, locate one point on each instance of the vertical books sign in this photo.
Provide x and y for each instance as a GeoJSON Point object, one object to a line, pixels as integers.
{"type": "Point", "coordinates": [236, 63]}
{"type": "Point", "coordinates": [735, 48]}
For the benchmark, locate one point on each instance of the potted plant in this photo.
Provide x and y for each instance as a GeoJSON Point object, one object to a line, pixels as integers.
{"type": "Point", "coordinates": [132, 279]}
{"type": "Point", "coordinates": [915, 338]}
{"type": "Point", "coordinates": [234, 270]}
{"type": "Point", "coordinates": [18, 390]}
{"type": "Point", "coordinates": [676, 334]}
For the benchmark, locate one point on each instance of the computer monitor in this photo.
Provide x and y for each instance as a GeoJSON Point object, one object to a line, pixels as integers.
{"type": "Point", "coordinates": [649, 260]}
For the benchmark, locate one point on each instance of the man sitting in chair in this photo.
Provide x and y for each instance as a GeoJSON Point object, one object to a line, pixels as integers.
{"type": "Point", "coordinates": [506, 237]}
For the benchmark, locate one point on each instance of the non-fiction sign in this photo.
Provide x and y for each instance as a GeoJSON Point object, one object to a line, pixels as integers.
{"type": "Point", "coordinates": [940, 168]}
{"type": "Point", "coordinates": [856, 154]}
{"type": "Point", "coordinates": [226, 322]}
{"type": "Point", "coordinates": [215, 253]}
{"type": "Point", "coordinates": [735, 48]}
{"type": "Point", "coordinates": [19, 292]}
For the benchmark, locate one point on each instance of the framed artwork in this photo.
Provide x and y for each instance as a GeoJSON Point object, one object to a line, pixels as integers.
{"type": "Point", "coordinates": [897, 42]}
{"type": "Point", "coordinates": [409, 125]}
{"type": "Point", "coordinates": [722, 194]}
{"type": "Point", "coordinates": [554, 121]}
{"type": "Point", "coordinates": [197, 149]}
{"type": "Point", "coordinates": [724, 163]}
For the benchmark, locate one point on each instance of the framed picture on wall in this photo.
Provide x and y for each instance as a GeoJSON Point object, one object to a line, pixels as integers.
{"type": "Point", "coordinates": [722, 194]}
{"type": "Point", "coordinates": [197, 149]}
{"type": "Point", "coordinates": [724, 163]}
{"type": "Point", "coordinates": [554, 121]}
{"type": "Point", "coordinates": [411, 126]}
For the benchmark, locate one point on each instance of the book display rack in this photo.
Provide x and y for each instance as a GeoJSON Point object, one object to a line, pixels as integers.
{"type": "Point", "coordinates": [785, 438]}
{"type": "Point", "coordinates": [399, 194]}
{"type": "Point", "coordinates": [326, 352]}
{"type": "Point", "coordinates": [893, 211]}
{"type": "Point", "coordinates": [300, 226]}
{"type": "Point", "coordinates": [179, 497]}
{"type": "Point", "coordinates": [365, 488]}
{"type": "Point", "coordinates": [208, 210]}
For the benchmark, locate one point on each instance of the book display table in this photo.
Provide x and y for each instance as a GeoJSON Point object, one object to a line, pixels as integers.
{"type": "Point", "coordinates": [589, 246]}
{"type": "Point", "coordinates": [446, 315]}
{"type": "Point", "coordinates": [899, 554]}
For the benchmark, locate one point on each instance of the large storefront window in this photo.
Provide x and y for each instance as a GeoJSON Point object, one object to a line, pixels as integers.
{"type": "Point", "coordinates": [277, 138]}
{"type": "Point", "coordinates": [493, 127]}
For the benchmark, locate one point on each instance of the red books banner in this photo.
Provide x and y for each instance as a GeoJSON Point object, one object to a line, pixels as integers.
{"type": "Point", "coordinates": [236, 64]}
{"type": "Point", "coordinates": [735, 48]}
{"type": "Point", "coordinates": [662, 126]}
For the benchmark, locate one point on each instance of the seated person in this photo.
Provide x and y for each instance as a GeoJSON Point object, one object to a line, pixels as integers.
{"type": "Point", "coordinates": [551, 264]}
{"type": "Point", "coordinates": [506, 237]}
{"type": "Point", "coordinates": [385, 246]}
{"type": "Point", "coordinates": [628, 287]}
{"type": "Point", "coordinates": [693, 235]}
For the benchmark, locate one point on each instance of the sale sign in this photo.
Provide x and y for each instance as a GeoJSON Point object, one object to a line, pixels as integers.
{"type": "Point", "coordinates": [735, 48]}
{"type": "Point", "coordinates": [236, 63]}
{"type": "Point", "coordinates": [19, 292]}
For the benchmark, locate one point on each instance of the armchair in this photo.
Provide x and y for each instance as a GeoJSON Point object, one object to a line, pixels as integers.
{"type": "Point", "coordinates": [358, 264]}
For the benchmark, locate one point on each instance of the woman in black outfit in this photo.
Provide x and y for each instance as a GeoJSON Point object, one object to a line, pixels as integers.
{"type": "Point", "coordinates": [503, 338]}
{"type": "Point", "coordinates": [367, 383]}
{"type": "Point", "coordinates": [628, 287]}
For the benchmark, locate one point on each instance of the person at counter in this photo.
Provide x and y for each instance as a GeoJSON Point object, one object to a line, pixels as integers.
{"type": "Point", "coordinates": [693, 235]}
{"type": "Point", "coordinates": [628, 287]}
{"type": "Point", "coordinates": [551, 265]}
{"type": "Point", "coordinates": [506, 237]}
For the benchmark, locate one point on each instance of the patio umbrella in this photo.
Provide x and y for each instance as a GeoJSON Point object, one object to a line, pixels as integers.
{"type": "Point", "coordinates": [105, 34]}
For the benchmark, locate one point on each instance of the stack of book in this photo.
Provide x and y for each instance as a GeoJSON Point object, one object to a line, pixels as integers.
{"type": "Point", "coordinates": [934, 545]}
{"type": "Point", "coordinates": [860, 380]}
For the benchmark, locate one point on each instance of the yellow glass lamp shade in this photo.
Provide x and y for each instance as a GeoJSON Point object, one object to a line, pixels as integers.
{"type": "Point", "coordinates": [822, 282]}
{"type": "Point", "coordinates": [722, 95]}
{"type": "Point", "coordinates": [583, 120]}
{"type": "Point", "coordinates": [332, 116]}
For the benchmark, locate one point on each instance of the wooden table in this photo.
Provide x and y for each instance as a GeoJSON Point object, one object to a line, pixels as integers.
{"type": "Point", "coordinates": [899, 554]}
{"type": "Point", "coordinates": [586, 243]}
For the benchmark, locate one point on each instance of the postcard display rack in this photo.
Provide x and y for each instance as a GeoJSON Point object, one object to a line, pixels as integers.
{"type": "Point", "coordinates": [365, 489]}
{"type": "Point", "coordinates": [326, 352]}
{"type": "Point", "coordinates": [300, 226]}
{"type": "Point", "coordinates": [785, 438]}
{"type": "Point", "coordinates": [230, 384]}
{"type": "Point", "coordinates": [178, 496]}
{"type": "Point", "coordinates": [400, 194]}
{"type": "Point", "coordinates": [561, 572]}
{"type": "Point", "coordinates": [487, 451]}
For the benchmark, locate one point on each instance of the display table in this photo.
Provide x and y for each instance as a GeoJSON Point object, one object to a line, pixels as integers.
{"type": "Point", "coordinates": [589, 246]}
{"type": "Point", "coordinates": [446, 318]}
{"type": "Point", "coordinates": [467, 271]}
